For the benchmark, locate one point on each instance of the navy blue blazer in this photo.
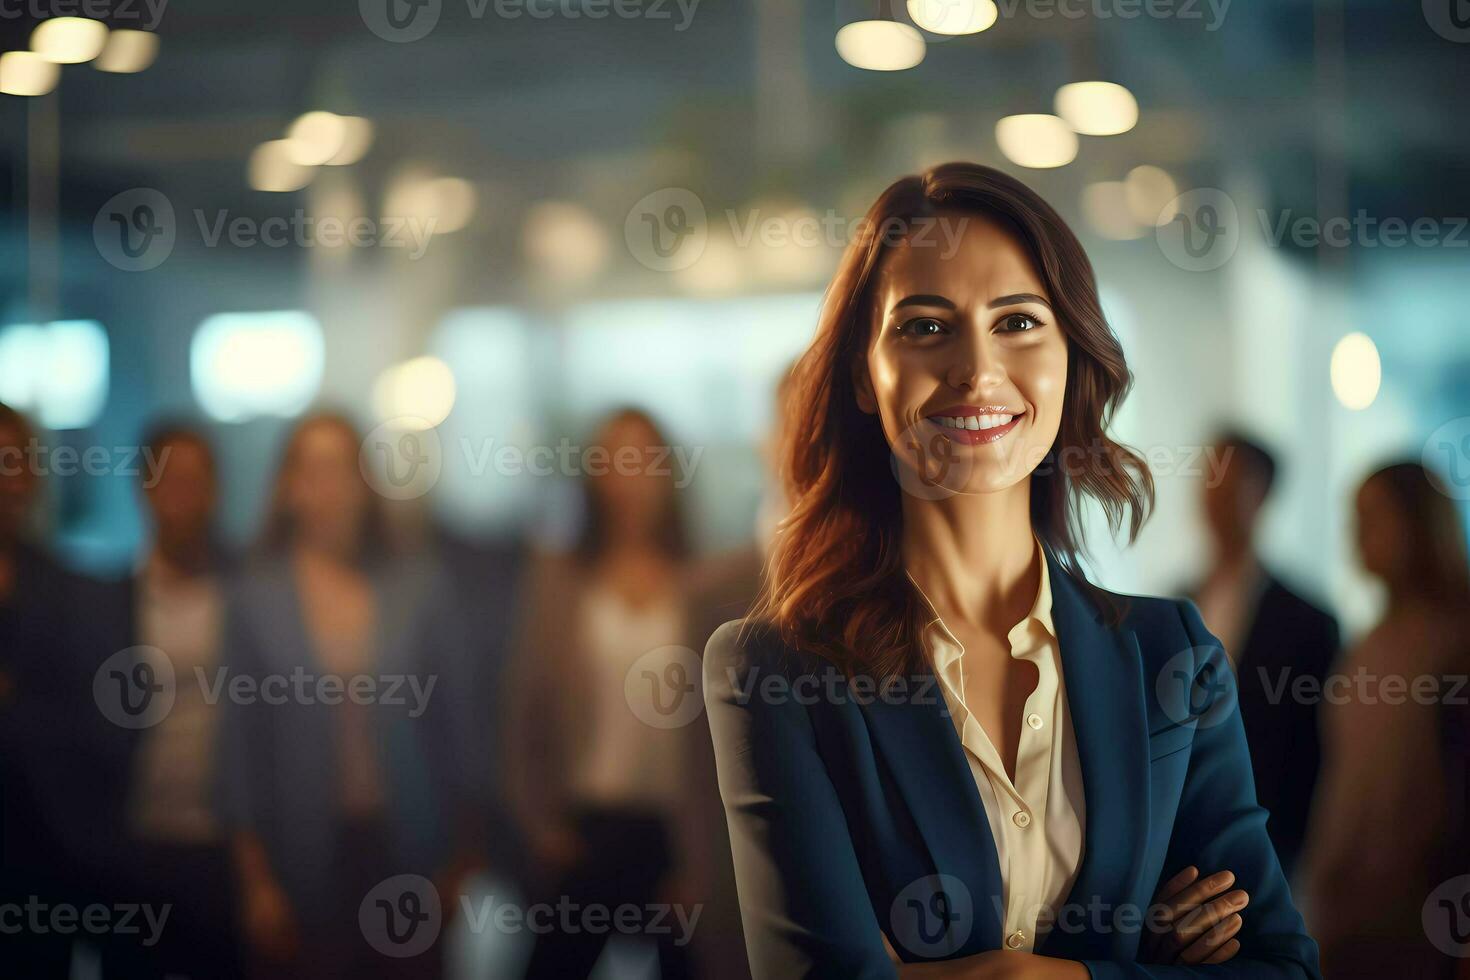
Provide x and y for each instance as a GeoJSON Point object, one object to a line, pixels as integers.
{"type": "Point", "coordinates": [853, 811]}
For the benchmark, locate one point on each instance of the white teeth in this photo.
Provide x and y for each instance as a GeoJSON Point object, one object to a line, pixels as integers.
{"type": "Point", "coordinates": [972, 422]}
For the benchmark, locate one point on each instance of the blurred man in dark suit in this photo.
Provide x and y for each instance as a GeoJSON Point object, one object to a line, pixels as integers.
{"type": "Point", "coordinates": [49, 725]}
{"type": "Point", "coordinates": [1273, 636]}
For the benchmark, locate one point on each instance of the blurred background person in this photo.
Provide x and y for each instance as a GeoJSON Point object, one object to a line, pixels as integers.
{"type": "Point", "coordinates": [1274, 637]}
{"type": "Point", "coordinates": [173, 602]}
{"type": "Point", "coordinates": [1381, 837]}
{"type": "Point", "coordinates": [326, 801]}
{"type": "Point", "coordinates": [38, 688]}
{"type": "Point", "coordinates": [603, 795]}
{"type": "Point", "coordinates": [722, 587]}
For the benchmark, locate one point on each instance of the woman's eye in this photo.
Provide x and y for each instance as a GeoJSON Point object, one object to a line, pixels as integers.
{"type": "Point", "coordinates": [923, 326]}
{"type": "Point", "coordinates": [1017, 322]}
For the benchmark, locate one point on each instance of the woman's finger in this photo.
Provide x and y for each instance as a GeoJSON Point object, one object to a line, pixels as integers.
{"type": "Point", "coordinates": [1225, 952]}
{"type": "Point", "coordinates": [1212, 939]}
{"type": "Point", "coordinates": [1193, 925]}
{"type": "Point", "coordinates": [1176, 884]}
{"type": "Point", "coordinates": [1184, 904]}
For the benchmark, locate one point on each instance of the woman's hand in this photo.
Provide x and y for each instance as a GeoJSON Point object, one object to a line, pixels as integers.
{"type": "Point", "coordinates": [1194, 925]}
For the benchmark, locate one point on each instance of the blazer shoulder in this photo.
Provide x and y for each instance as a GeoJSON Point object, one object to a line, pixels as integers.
{"type": "Point", "coordinates": [1169, 623]}
{"type": "Point", "coordinates": [742, 645]}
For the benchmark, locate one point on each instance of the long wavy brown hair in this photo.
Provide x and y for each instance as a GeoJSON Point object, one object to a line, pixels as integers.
{"type": "Point", "coordinates": [835, 583]}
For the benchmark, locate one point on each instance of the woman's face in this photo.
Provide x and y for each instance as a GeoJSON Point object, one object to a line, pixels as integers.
{"type": "Point", "coordinates": [630, 479]}
{"type": "Point", "coordinates": [966, 364]}
{"type": "Point", "coordinates": [325, 492]}
{"type": "Point", "coordinates": [1379, 531]}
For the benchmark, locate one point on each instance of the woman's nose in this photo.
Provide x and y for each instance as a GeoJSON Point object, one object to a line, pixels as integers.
{"type": "Point", "coordinates": [978, 365]}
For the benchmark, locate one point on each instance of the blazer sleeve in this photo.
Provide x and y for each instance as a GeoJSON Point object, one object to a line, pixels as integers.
{"type": "Point", "coordinates": [1220, 826]}
{"type": "Point", "coordinates": [804, 904]}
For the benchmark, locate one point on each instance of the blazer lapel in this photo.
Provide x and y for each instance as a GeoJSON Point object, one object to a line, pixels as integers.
{"type": "Point", "coordinates": [1103, 674]}
{"type": "Point", "coordinates": [916, 737]}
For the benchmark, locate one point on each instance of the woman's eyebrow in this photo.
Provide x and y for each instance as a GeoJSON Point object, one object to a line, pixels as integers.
{"type": "Point", "coordinates": [924, 299]}
{"type": "Point", "coordinates": [1015, 298]}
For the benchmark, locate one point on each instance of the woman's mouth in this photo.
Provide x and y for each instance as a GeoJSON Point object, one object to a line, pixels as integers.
{"type": "Point", "coordinates": [978, 427]}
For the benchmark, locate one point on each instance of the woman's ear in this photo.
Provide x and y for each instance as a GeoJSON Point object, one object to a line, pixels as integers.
{"type": "Point", "coordinates": [862, 385]}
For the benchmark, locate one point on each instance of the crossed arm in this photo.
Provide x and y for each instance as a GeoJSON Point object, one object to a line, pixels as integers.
{"type": "Point", "coordinates": [805, 905]}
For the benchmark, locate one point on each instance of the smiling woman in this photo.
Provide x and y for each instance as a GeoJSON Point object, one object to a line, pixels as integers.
{"type": "Point", "coordinates": [1086, 752]}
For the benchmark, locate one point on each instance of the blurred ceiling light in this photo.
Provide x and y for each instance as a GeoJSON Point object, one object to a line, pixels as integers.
{"type": "Point", "coordinates": [316, 137]}
{"type": "Point", "coordinates": [27, 73]}
{"type": "Point", "coordinates": [1356, 371]}
{"type": "Point", "coordinates": [1105, 204]}
{"type": "Point", "coordinates": [954, 16]}
{"type": "Point", "coordinates": [243, 365]}
{"type": "Point", "coordinates": [1097, 108]}
{"type": "Point", "coordinates": [456, 203]}
{"type": "Point", "coordinates": [128, 51]}
{"type": "Point", "coordinates": [717, 271]}
{"type": "Point", "coordinates": [58, 371]}
{"type": "Point", "coordinates": [69, 40]}
{"type": "Point", "coordinates": [1151, 195]}
{"type": "Point", "coordinates": [357, 137]}
{"type": "Point", "coordinates": [564, 241]}
{"type": "Point", "coordinates": [880, 45]}
{"type": "Point", "coordinates": [1036, 140]}
{"type": "Point", "coordinates": [417, 394]}
{"type": "Point", "coordinates": [272, 168]}
{"type": "Point", "coordinates": [449, 202]}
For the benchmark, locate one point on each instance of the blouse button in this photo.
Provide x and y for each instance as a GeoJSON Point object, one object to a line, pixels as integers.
{"type": "Point", "coordinates": [1034, 720]}
{"type": "Point", "coordinates": [1016, 939]}
{"type": "Point", "coordinates": [1022, 818]}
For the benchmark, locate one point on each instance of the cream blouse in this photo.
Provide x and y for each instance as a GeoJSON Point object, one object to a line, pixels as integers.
{"type": "Point", "coordinates": [1037, 822]}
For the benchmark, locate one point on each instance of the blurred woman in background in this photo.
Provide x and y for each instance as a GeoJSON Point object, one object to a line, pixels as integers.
{"type": "Point", "coordinates": [598, 790]}
{"type": "Point", "coordinates": [172, 602]}
{"type": "Point", "coordinates": [328, 797]}
{"type": "Point", "coordinates": [1382, 837]}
